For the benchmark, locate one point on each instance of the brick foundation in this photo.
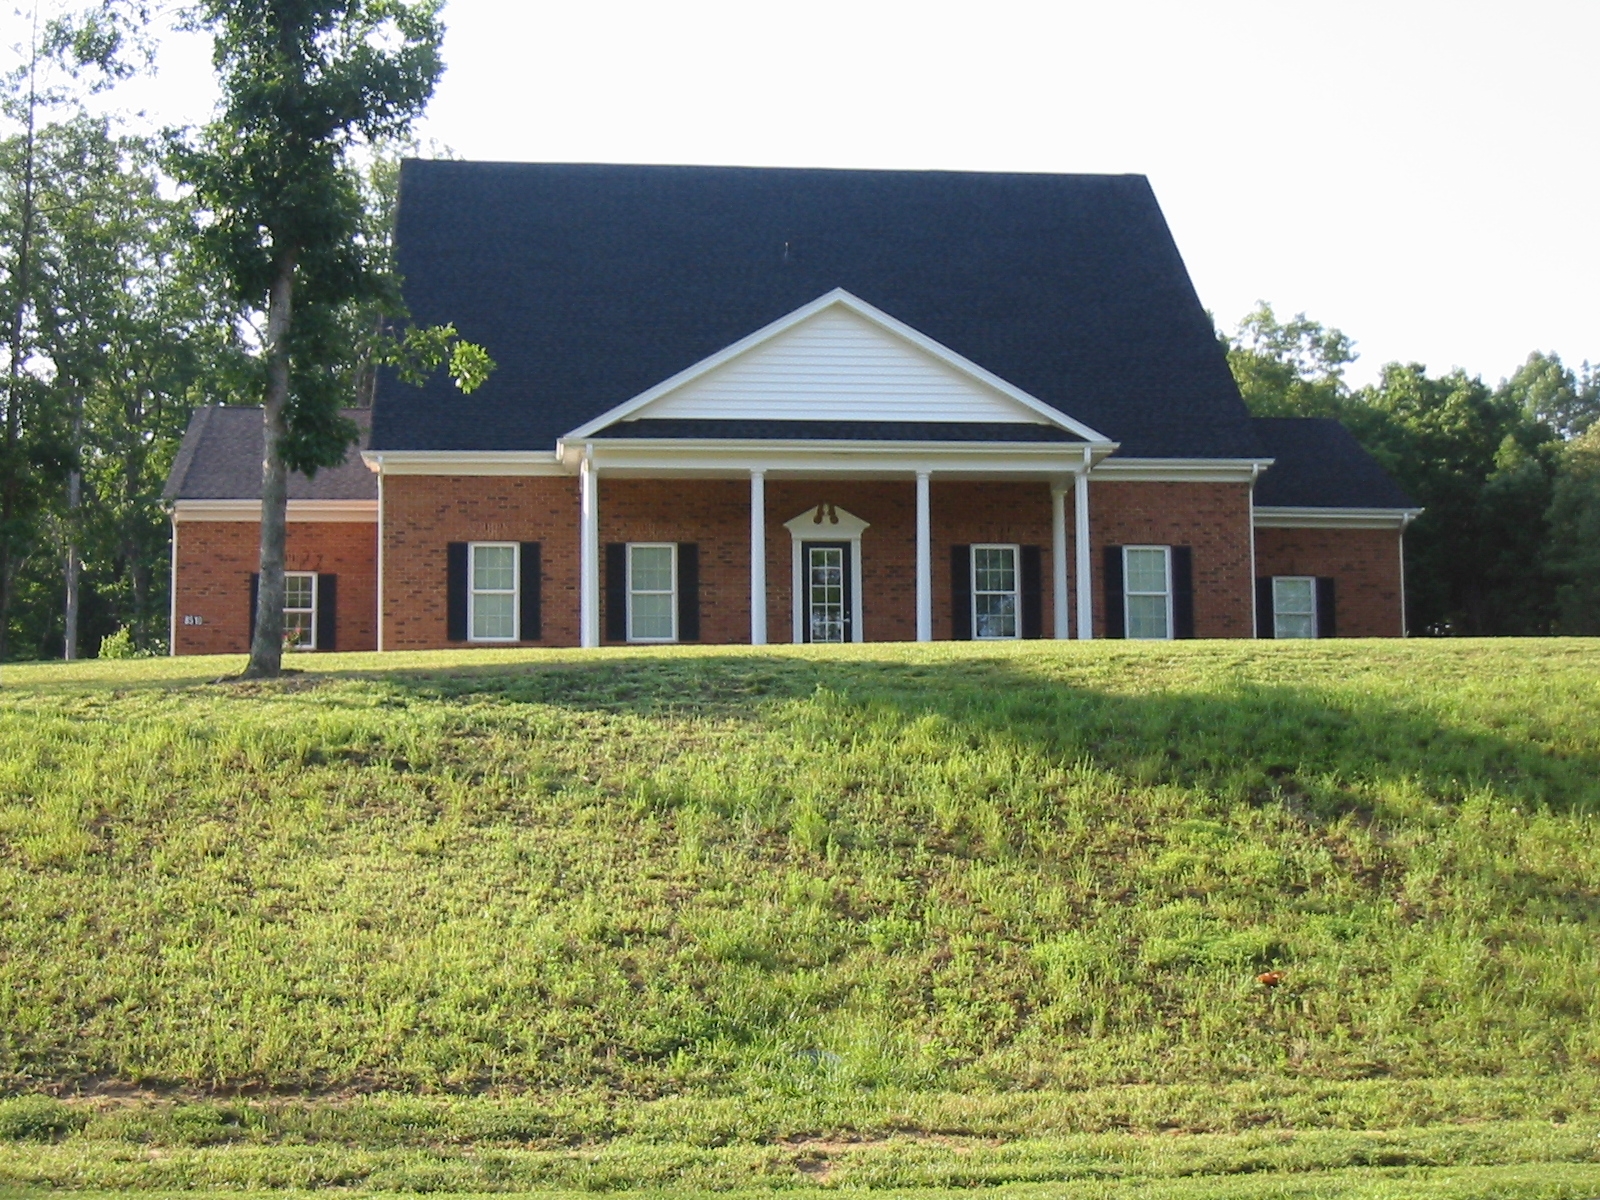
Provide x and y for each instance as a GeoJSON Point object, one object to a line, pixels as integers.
{"type": "Point", "coordinates": [215, 560]}
{"type": "Point", "coordinates": [1364, 564]}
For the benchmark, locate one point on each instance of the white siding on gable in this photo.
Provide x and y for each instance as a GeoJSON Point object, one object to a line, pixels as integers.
{"type": "Point", "coordinates": [838, 365]}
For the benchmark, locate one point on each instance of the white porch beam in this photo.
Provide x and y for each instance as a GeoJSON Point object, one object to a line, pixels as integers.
{"type": "Point", "coordinates": [924, 559]}
{"type": "Point", "coordinates": [758, 558]}
{"type": "Point", "coordinates": [1080, 505]}
{"type": "Point", "coordinates": [1058, 558]}
{"type": "Point", "coordinates": [589, 555]}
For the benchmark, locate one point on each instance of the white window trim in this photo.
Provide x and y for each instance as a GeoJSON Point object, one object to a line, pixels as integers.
{"type": "Point", "coordinates": [631, 547]}
{"type": "Point", "coordinates": [1127, 622]}
{"type": "Point", "coordinates": [516, 591]}
{"type": "Point", "coordinates": [1015, 593]}
{"type": "Point", "coordinates": [311, 575]}
{"type": "Point", "coordinates": [1315, 624]}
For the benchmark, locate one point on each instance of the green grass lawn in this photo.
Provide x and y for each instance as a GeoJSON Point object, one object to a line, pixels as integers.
{"type": "Point", "coordinates": [881, 916]}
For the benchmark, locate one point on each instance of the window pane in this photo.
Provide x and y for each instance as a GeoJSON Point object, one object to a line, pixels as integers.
{"type": "Point", "coordinates": [297, 630]}
{"type": "Point", "coordinates": [997, 616]}
{"type": "Point", "coordinates": [1147, 616]}
{"type": "Point", "coordinates": [994, 569]}
{"type": "Point", "coordinates": [652, 568]}
{"type": "Point", "coordinates": [652, 616]}
{"type": "Point", "coordinates": [1146, 571]}
{"type": "Point", "coordinates": [297, 591]}
{"type": "Point", "coordinates": [1290, 626]}
{"type": "Point", "coordinates": [494, 568]}
{"type": "Point", "coordinates": [1292, 596]}
{"type": "Point", "coordinates": [494, 615]}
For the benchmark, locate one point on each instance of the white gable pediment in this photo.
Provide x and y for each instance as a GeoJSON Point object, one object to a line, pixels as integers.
{"type": "Point", "coordinates": [837, 359]}
{"type": "Point", "coordinates": [837, 366]}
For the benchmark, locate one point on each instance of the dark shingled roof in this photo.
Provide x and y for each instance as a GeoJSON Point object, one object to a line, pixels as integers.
{"type": "Point", "coordinates": [811, 431]}
{"type": "Point", "coordinates": [1319, 464]}
{"type": "Point", "coordinates": [220, 459]}
{"type": "Point", "coordinates": [591, 284]}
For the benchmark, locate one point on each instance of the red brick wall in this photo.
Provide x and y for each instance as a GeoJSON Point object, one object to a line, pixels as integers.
{"type": "Point", "coordinates": [1364, 564]}
{"type": "Point", "coordinates": [217, 558]}
{"type": "Point", "coordinates": [1213, 519]}
{"type": "Point", "coordinates": [425, 513]}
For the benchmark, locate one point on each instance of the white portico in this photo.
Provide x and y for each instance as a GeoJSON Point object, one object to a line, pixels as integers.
{"type": "Point", "coordinates": [840, 390]}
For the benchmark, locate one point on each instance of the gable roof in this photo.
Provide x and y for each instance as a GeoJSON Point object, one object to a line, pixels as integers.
{"type": "Point", "coordinates": [837, 359]}
{"type": "Point", "coordinates": [220, 459]}
{"type": "Point", "coordinates": [591, 285]}
{"type": "Point", "coordinates": [1319, 464]}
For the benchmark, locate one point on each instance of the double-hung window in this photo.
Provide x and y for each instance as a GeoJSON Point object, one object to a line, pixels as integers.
{"type": "Point", "coordinates": [300, 610]}
{"type": "Point", "coordinates": [994, 592]}
{"type": "Point", "coordinates": [1294, 606]}
{"type": "Point", "coordinates": [1147, 591]}
{"type": "Point", "coordinates": [652, 592]}
{"type": "Point", "coordinates": [492, 591]}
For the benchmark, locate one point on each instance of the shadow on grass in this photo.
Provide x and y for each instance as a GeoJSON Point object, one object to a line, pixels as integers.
{"type": "Point", "coordinates": [1310, 748]}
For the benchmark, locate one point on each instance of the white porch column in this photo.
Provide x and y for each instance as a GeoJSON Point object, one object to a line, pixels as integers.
{"type": "Point", "coordinates": [1058, 557]}
{"type": "Point", "coordinates": [924, 560]}
{"type": "Point", "coordinates": [758, 558]}
{"type": "Point", "coordinates": [1080, 504]}
{"type": "Point", "coordinates": [589, 555]}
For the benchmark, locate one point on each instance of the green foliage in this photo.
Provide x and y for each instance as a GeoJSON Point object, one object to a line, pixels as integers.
{"type": "Point", "coordinates": [38, 1119]}
{"type": "Point", "coordinates": [1289, 369]}
{"type": "Point", "coordinates": [1575, 535]}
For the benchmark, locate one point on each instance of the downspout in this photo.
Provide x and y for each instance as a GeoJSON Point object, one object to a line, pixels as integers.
{"type": "Point", "coordinates": [1255, 616]}
{"type": "Point", "coordinates": [1405, 619]}
{"type": "Point", "coordinates": [380, 554]}
{"type": "Point", "coordinates": [172, 594]}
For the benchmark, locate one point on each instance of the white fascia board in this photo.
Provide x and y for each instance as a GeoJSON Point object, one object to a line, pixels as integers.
{"type": "Point", "coordinates": [861, 308]}
{"type": "Point", "coordinates": [1282, 517]}
{"type": "Point", "coordinates": [649, 456]}
{"type": "Point", "coordinates": [465, 462]}
{"type": "Point", "coordinates": [1181, 470]}
{"type": "Point", "coordinates": [250, 510]}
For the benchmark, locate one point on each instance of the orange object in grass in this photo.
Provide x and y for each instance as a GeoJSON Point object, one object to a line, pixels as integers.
{"type": "Point", "coordinates": [1270, 978]}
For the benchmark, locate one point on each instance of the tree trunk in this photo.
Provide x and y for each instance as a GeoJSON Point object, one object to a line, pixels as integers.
{"type": "Point", "coordinates": [69, 650]}
{"type": "Point", "coordinates": [10, 493]}
{"type": "Point", "coordinates": [266, 648]}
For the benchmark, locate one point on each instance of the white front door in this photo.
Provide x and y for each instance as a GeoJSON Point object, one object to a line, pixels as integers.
{"type": "Point", "coordinates": [826, 572]}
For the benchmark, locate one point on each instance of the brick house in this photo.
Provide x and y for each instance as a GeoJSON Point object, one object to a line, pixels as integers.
{"type": "Point", "coordinates": [755, 405]}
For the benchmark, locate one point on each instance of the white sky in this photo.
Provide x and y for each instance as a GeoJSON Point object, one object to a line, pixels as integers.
{"type": "Point", "coordinates": [1424, 175]}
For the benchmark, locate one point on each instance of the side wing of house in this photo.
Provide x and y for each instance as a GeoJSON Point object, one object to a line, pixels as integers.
{"type": "Point", "coordinates": [1329, 536]}
{"type": "Point", "coordinates": [330, 556]}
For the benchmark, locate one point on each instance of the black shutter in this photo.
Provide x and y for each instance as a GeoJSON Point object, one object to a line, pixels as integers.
{"type": "Point", "coordinates": [255, 599]}
{"type": "Point", "coordinates": [1116, 626]}
{"type": "Point", "coordinates": [532, 577]}
{"type": "Point", "coordinates": [1327, 624]}
{"type": "Point", "coordinates": [688, 592]}
{"type": "Point", "coordinates": [1266, 627]}
{"type": "Point", "coordinates": [455, 605]}
{"type": "Point", "coordinates": [616, 592]}
{"type": "Point", "coordinates": [1182, 592]}
{"type": "Point", "coordinates": [1032, 592]}
{"type": "Point", "coordinates": [327, 612]}
{"type": "Point", "coordinates": [961, 593]}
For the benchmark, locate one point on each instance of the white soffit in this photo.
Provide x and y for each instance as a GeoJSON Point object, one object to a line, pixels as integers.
{"type": "Point", "coordinates": [837, 359]}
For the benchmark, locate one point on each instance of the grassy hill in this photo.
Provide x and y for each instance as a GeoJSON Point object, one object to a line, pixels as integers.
{"type": "Point", "coordinates": [936, 916]}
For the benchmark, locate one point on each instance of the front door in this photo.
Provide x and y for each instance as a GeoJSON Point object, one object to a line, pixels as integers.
{"type": "Point", "coordinates": [826, 575]}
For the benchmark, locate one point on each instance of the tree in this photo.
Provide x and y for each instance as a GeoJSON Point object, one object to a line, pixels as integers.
{"type": "Point", "coordinates": [1293, 369]}
{"type": "Point", "coordinates": [1575, 535]}
{"type": "Point", "coordinates": [305, 83]}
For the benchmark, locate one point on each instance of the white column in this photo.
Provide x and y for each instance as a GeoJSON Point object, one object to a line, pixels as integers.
{"type": "Point", "coordinates": [1080, 504]}
{"type": "Point", "coordinates": [589, 556]}
{"type": "Point", "coordinates": [380, 556]}
{"type": "Point", "coordinates": [1058, 557]}
{"type": "Point", "coordinates": [758, 558]}
{"type": "Point", "coordinates": [924, 560]}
